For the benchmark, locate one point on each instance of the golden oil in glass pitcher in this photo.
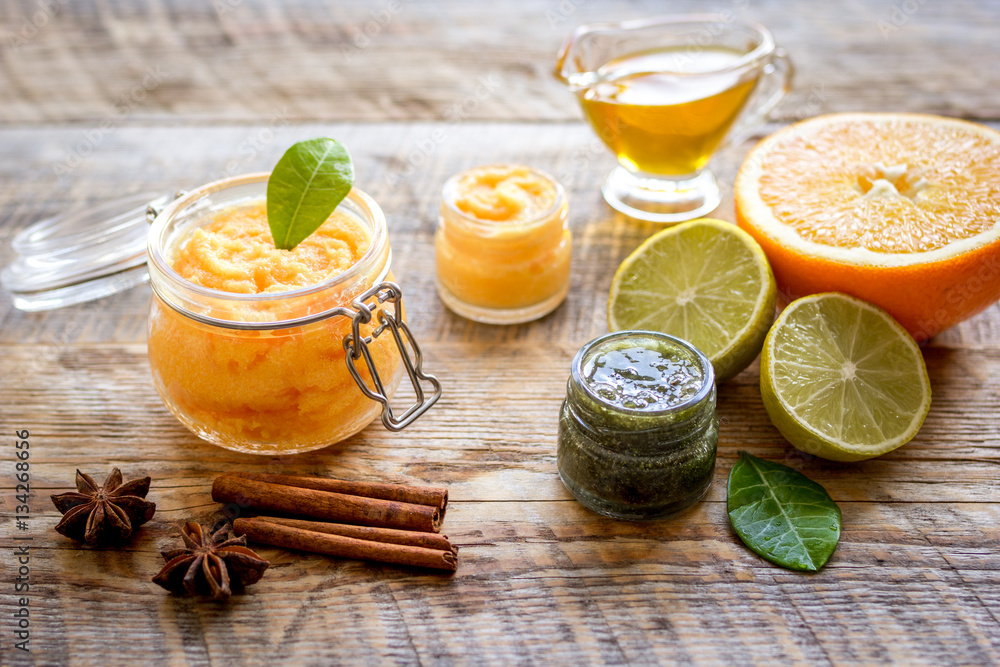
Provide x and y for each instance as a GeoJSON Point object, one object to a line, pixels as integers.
{"type": "Point", "coordinates": [665, 111]}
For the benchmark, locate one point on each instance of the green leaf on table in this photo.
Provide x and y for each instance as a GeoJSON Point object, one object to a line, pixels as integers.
{"type": "Point", "coordinates": [781, 514]}
{"type": "Point", "coordinates": [307, 184]}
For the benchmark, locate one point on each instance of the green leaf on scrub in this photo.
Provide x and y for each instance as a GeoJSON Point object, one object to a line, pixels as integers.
{"type": "Point", "coordinates": [781, 514]}
{"type": "Point", "coordinates": [307, 184]}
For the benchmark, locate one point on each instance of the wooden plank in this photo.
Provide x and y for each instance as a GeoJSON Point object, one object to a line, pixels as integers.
{"type": "Point", "coordinates": [402, 166]}
{"type": "Point", "coordinates": [530, 573]}
{"type": "Point", "coordinates": [492, 436]}
{"type": "Point", "coordinates": [541, 580]}
{"type": "Point", "coordinates": [251, 60]}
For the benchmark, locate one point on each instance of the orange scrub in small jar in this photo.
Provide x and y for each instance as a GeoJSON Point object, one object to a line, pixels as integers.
{"type": "Point", "coordinates": [503, 244]}
{"type": "Point", "coordinates": [275, 390]}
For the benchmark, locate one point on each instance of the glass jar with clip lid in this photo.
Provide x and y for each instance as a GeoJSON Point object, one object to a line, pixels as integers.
{"type": "Point", "coordinates": [275, 371]}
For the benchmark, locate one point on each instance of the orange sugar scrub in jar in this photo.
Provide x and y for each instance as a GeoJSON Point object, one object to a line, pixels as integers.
{"type": "Point", "coordinates": [256, 349]}
{"type": "Point", "coordinates": [503, 244]}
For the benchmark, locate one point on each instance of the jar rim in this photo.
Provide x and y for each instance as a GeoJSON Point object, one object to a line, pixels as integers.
{"type": "Point", "coordinates": [703, 393]}
{"type": "Point", "coordinates": [448, 199]}
{"type": "Point", "coordinates": [159, 225]}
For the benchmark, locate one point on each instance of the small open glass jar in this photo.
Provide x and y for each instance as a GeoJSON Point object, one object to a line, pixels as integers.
{"type": "Point", "coordinates": [278, 372]}
{"type": "Point", "coordinates": [503, 244]}
{"type": "Point", "coordinates": [638, 430]}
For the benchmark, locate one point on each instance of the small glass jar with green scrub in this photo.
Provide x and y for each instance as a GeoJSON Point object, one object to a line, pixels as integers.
{"type": "Point", "coordinates": [638, 429]}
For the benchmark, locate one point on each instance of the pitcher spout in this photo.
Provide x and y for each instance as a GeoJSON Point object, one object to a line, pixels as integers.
{"type": "Point", "coordinates": [571, 63]}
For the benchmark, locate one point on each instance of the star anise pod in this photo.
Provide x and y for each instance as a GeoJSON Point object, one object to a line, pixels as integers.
{"type": "Point", "coordinates": [210, 565]}
{"type": "Point", "coordinates": [108, 513]}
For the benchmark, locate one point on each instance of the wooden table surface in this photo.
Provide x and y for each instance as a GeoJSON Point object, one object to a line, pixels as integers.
{"type": "Point", "coordinates": [105, 98]}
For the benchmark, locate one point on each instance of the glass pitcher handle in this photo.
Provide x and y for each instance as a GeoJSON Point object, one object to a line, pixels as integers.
{"type": "Point", "coordinates": [356, 346]}
{"type": "Point", "coordinates": [775, 82]}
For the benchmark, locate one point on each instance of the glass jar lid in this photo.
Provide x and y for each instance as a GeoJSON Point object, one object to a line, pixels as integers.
{"type": "Point", "coordinates": [82, 255]}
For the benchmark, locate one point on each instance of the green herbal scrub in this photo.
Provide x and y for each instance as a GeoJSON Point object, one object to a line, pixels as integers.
{"type": "Point", "coordinates": [638, 429]}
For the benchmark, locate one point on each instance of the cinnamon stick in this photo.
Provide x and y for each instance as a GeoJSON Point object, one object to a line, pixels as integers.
{"type": "Point", "coordinates": [268, 497]}
{"type": "Point", "coordinates": [275, 534]}
{"type": "Point", "coordinates": [387, 535]}
{"type": "Point", "coordinates": [419, 495]}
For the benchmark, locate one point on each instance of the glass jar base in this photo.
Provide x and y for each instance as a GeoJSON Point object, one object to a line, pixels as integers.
{"type": "Point", "coordinates": [634, 513]}
{"type": "Point", "coordinates": [664, 200]}
{"type": "Point", "coordinates": [501, 315]}
{"type": "Point", "coordinates": [246, 445]}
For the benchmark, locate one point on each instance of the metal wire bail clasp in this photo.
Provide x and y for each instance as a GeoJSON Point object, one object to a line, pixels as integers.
{"type": "Point", "coordinates": [356, 346]}
{"type": "Point", "coordinates": [155, 207]}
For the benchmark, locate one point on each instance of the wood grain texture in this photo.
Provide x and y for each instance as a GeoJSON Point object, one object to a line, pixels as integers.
{"type": "Point", "coordinates": [403, 166]}
{"type": "Point", "coordinates": [541, 580]}
{"type": "Point", "coordinates": [88, 61]}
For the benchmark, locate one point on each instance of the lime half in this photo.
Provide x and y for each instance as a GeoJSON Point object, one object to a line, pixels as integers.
{"type": "Point", "coordinates": [705, 281]}
{"type": "Point", "coordinates": [843, 380]}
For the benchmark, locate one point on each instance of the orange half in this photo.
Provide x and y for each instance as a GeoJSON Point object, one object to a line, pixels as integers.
{"type": "Point", "coordinates": [902, 210]}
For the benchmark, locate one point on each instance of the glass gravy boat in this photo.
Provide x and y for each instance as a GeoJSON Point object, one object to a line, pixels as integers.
{"type": "Point", "coordinates": [664, 94]}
